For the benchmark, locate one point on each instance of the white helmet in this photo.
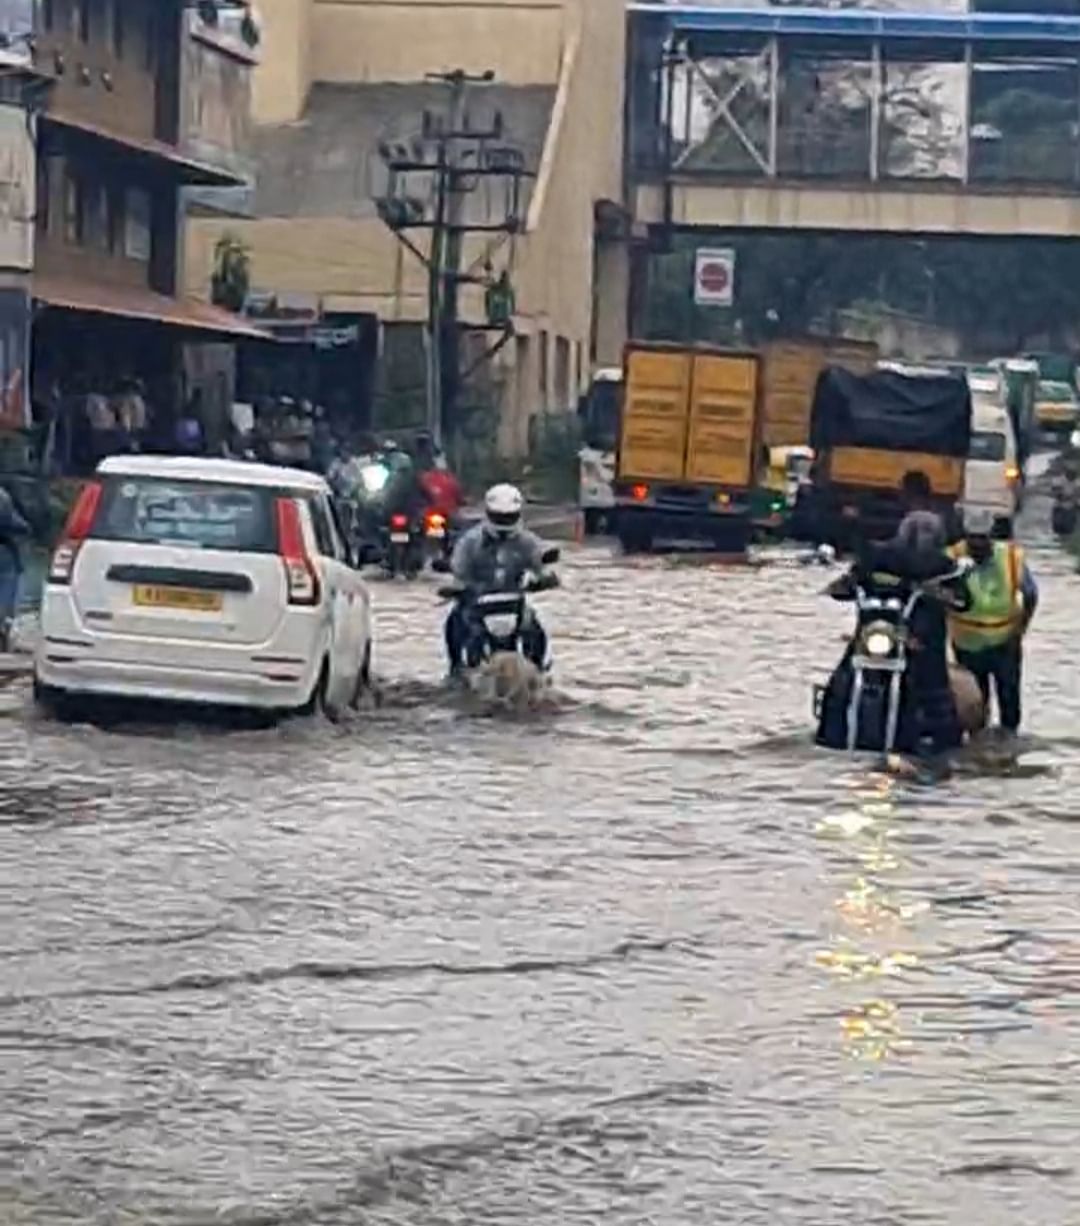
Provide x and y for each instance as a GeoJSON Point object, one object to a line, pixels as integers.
{"type": "Point", "coordinates": [502, 510]}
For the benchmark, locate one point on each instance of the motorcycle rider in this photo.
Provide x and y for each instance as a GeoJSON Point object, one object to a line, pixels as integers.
{"type": "Point", "coordinates": [441, 488]}
{"type": "Point", "coordinates": [915, 557]}
{"type": "Point", "coordinates": [496, 555]}
{"type": "Point", "coordinates": [1065, 488]}
{"type": "Point", "coordinates": [988, 636]}
{"type": "Point", "coordinates": [402, 494]}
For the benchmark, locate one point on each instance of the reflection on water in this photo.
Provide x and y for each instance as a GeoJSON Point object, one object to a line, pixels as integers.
{"type": "Point", "coordinates": [650, 958]}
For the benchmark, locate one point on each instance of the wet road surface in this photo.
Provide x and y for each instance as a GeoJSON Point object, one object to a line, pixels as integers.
{"type": "Point", "coordinates": [650, 958]}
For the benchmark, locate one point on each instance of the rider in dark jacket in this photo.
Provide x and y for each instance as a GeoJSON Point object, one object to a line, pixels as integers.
{"type": "Point", "coordinates": [916, 558]}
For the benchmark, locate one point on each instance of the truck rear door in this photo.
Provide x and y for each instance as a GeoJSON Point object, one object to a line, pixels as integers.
{"type": "Point", "coordinates": [789, 377]}
{"type": "Point", "coordinates": [654, 419]}
{"type": "Point", "coordinates": [723, 411]}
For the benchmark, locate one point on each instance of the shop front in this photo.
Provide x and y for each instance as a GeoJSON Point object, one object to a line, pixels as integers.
{"type": "Point", "coordinates": [108, 371]}
{"type": "Point", "coordinates": [322, 360]}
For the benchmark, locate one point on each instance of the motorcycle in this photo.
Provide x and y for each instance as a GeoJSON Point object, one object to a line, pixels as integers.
{"type": "Point", "coordinates": [879, 664]}
{"type": "Point", "coordinates": [438, 536]}
{"type": "Point", "coordinates": [402, 552]}
{"type": "Point", "coordinates": [880, 657]}
{"type": "Point", "coordinates": [1064, 515]}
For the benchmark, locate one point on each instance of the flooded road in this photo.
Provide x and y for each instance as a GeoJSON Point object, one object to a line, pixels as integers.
{"type": "Point", "coordinates": [648, 959]}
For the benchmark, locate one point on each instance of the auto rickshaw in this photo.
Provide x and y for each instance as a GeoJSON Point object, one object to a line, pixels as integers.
{"type": "Point", "coordinates": [785, 470]}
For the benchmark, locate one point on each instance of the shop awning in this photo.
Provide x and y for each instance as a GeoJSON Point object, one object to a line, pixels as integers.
{"type": "Point", "coordinates": [187, 169]}
{"type": "Point", "coordinates": [129, 302]}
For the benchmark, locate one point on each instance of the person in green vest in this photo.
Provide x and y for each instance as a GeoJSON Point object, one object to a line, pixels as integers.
{"type": "Point", "coordinates": [988, 637]}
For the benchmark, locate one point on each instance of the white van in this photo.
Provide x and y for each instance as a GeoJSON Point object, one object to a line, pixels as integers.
{"type": "Point", "coordinates": [209, 581]}
{"type": "Point", "coordinates": [992, 472]}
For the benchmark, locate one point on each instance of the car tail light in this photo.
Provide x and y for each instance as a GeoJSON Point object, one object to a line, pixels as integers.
{"type": "Point", "coordinates": [79, 523]}
{"type": "Point", "coordinates": [1012, 473]}
{"type": "Point", "coordinates": [399, 522]}
{"type": "Point", "coordinates": [301, 578]}
{"type": "Point", "coordinates": [639, 492]}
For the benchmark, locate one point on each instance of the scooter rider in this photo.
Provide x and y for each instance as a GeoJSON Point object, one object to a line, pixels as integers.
{"type": "Point", "coordinates": [496, 555]}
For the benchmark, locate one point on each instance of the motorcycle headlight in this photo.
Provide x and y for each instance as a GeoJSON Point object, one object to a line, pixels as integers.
{"type": "Point", "coordinates": [375, 477]}
{"type": "Point", "coordinates": [879, 640]}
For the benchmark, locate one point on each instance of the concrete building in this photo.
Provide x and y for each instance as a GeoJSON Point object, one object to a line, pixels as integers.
{"type": "Point", "coordinates": [115, 151]}
{"type": "Point", "coordinates": [337, 76]}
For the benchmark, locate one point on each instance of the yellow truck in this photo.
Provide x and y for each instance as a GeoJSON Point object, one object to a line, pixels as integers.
{"type": "Point", "coordinates": [789, 375]}
{"type": "Point", "coordinates": [688, 445]}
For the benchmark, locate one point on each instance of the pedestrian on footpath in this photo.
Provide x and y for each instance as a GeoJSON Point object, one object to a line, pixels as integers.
{"type": "Point", "coordinates": [13, 528]}
{"type": "Point", "coordinates": [988, 637]}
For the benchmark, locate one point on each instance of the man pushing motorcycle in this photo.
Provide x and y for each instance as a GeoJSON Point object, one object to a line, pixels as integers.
{"type": "Point", "coordinates": [497, 555]}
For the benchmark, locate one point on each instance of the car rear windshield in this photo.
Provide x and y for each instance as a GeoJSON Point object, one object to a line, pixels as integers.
{"type": "Point", "coordinates": [202, 515]}
{"type": "Point", "coordinates": [986, 445]}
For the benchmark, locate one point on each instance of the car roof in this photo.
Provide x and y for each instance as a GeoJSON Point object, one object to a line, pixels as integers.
{"type": "Point", "coordinates": [232, 472]}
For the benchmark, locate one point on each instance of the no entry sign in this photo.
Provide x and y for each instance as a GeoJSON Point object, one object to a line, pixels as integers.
{"type": "Point", "coordinates": [714, 276]}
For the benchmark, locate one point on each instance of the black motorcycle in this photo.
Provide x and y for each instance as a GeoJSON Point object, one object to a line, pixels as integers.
{"type": "Point", "coordinates": [1063, 516]}
{"type": "Point", "coordinates": [403, 546]}
{"type": "Point", "coordinates": [439, 538]}
{"type": "Point", "coordinates": [879, 664]}
{"type": "Point", "coordinates": [869, 693]}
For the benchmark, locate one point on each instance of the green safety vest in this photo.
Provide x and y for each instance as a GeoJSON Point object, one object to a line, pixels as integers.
{"type": "Point", "coordinates": [996, 609]}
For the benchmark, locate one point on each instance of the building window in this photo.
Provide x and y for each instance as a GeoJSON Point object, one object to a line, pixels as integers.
{"type": "Point", "coordinates": [95, 220]}
{"type": "Point", "coordinates": [42, 186]}
{"type": "Point", "coordinates": [150, 35]}
{"type": "Point", "coordinates": [117, 21]}
{"type": "Point", "coordinates": [545, 368]}
{"type": "Point", "coordinates": [562, 374]}
{"type": "Point", "coordinates": [73, 211]}
{"type": "Point", "coordinates": [115, 211]}
{"type": "Point", "coordinates": [137, 242]}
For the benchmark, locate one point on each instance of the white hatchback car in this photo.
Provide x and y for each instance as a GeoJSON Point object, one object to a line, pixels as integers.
{"type": "Point", "coordinates": [208, 581]}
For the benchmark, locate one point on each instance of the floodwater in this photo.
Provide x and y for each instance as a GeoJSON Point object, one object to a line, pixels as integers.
{"type": "Point", "coordinates": [648, 958]}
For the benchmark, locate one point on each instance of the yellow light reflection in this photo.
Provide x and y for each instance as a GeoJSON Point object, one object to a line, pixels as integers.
{"type": "Point", "coordinates": [872, 1029]}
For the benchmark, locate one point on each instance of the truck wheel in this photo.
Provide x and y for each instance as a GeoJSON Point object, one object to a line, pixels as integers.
{"type": "Point", "coordinates": [594, 521]}
{"type": "Point", "coordinates": [635, 540]}
{"type": "Point", "coordinates": [733, 538]}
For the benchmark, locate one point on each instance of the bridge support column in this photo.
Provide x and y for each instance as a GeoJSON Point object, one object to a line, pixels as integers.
{"type": "Point", "coordinates": [876, 89]}
{"type": "Point", "coordinates": [611, 301]}
{"type": "Point", "coordinates": [965, 118]}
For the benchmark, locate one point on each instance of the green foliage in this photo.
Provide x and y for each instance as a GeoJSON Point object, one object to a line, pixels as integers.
{"type": "Point", "coordinates": [231, 278]}
{"type": "Point", "coordinates": [997, 293]}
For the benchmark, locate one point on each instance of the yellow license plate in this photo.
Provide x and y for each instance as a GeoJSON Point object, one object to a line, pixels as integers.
{"type": "Point", "coordinates": [177, 598]}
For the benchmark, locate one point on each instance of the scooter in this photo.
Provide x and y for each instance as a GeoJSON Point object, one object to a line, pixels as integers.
{"type": "Point", "coordinates": [495, 650]}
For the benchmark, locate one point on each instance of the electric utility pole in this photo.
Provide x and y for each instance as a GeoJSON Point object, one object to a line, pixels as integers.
{"type": "Point", "coordinates": [431, 179]}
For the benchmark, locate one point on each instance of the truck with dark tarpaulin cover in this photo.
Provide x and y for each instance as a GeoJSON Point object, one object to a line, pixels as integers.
{"type": "Point", "coordinates": [871, 432]}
